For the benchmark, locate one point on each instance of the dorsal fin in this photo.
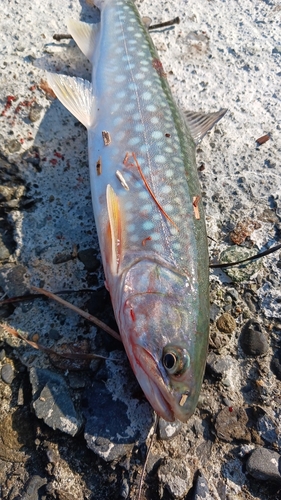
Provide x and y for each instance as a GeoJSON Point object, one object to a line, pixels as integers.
{"type": "Point", "coordinates": [75, 94]}
{"type": "Point", "coordinates": [200, 123]}
{"type": "Point", "coordinates": [84, 35]}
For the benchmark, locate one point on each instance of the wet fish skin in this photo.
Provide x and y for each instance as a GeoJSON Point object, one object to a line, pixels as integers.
{"type": "Point", "coordinates": [149, 215]}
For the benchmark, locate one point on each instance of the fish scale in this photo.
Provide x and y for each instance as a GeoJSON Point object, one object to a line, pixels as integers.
{"type": "Point", "coordinates": [147, 204]}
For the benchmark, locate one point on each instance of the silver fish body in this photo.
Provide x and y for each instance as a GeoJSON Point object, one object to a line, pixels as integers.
{"type": "Point", "coordinates": [147, 205]}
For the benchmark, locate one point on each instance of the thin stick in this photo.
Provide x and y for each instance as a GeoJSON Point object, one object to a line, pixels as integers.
{"type": "Point", "coordinates": [33, 296]}
{"type": "Point", "coordinates": [176, 20]}
{"type": "Point", "coordinates": [40, 347]}
{"type": "Point", "coordinates": [85, 315]}
{"type": "Point", "coordinates": [253, 257]}
{"type": "Point", "coordinates": [58, 37]}
{"type": "Point", "coordinates": [146, 458]}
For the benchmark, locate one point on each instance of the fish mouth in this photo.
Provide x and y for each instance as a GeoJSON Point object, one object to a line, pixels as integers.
{"type": "Point", "coordinates": [165, 401]}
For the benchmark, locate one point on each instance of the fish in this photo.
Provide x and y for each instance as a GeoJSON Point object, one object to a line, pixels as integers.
{"type": "Point", "coordinates": [147, 203]}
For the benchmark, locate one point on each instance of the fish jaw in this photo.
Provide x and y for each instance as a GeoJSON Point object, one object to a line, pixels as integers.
{"type": "Point", "coordinates": [163, 398]}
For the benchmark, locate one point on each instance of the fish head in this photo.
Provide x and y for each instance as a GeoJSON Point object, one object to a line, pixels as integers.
{"type": "Point", "coordinates": [159, 320]}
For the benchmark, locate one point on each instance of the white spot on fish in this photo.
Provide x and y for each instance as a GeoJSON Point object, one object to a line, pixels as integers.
{"type": "Point", "coordinates": [160, 159]}
{"type": "Point", "coordinates": [120, 135]}
{"type": "Point", "coordinates": [115, 107]}
{"type": "Point", "coordinates": [130, 106]}
{"type": "Point", "coordinates": [155, 236]}
{"type": "Point", "coordinates": [132, 86]}
{"type": "Point", "coordinates": [117, 121]}
{"type": "Point", "coordinates": [134, 238]}
{"type": "Point", "coordinates": [136, 116]}
{"type": "Point", "coordinates": [169, 172]}
{"type": "Point", "coordinates": [146, 96]}
{"type": "Point", "coordinates": [151, 108]}
{"type": "Point", "coordinates": [144, 195]}
{"type": "Point", "coordinates": [139, 127]}
{"type": "Point", "coordinates": [139, 76]}
{"type": "Point", "coordinates": [121, 94]}
{"type": "Point", "coordinates": [131, 228]}
{"type": "Point", "coordinates": [133, 141]}
{"type": "Point", "coordinates": [143, 148]}
{"type": "Point", "coordinates": [154, 119]}
{"type": "Point", "coordinates": [157, 134]}
{"type": "Point", "coordinates": [166, 189]}
{"type": "Point", "coordinates": [120, 78]}
{"type": "Point", "coordinates": [157, 247]}
{"type": "Point", "coordinates": [169, 208]}
{"type": "Point", "coordinates": [147, 225]}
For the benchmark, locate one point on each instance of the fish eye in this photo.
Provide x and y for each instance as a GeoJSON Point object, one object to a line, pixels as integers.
{"type": "Point", "coordinates": [175, 360]}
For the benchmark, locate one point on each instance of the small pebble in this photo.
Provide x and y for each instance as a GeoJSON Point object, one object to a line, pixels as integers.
{"type": "Point", "coordinates": [14, 146]}
{"type": "Point", "coordinates": [267, 429]}
{"type": "Point", "coordinates": [60, 258]}
{"type": "Point", "coordinates": [214, 312]}
{"type": "Point", "coordinates": [231, 424]}
{"type": "Point", "coordinates": [35, 113]}
{"type": "Point", "coordinates": [252, 339]}
{"type": "Point", "coordinates": [32, 488]}
{"type": "Point", "coordinates": [233, 293]}
{"type": "Point", "coordinates": [175, 477]}
{"type": "Point", "coordinates": [201, 488]}
{"type": "Point", "coordinates": [264, 465]}
{"type": "Point", "coordinates": [226, 323]}
{"type": "Point", "coordinates": [124, 489]}
{"type": "Point", "coordinates": [7, 373]}
{"type": "Point", "coordinates": [236, 253]}
{"type": "Point", "coordinates": [168, 430]}
{"type": "Point", "coordinates": [250, 301]}
{"type": "Point", "coordinates": [4, 250]}
{"type": "Point", "coordinates": [52, 401]}
{"type": "Point", "coordinates": [218, 365]}
{"type": "Point", "coordinates": [54, 334]}
{"type": "Point", "coordinates": [276, 364]}
{"type": "Point", "coordinates": [89, 259]}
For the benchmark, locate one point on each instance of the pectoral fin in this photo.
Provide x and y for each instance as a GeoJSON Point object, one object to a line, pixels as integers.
{"type": "Point", "coordinates": [75, 94]}
{"type": "Point", "coordinates": [84, 35]}
{"type": "Point", "coordinates": [116, 232]}
{"type": "Point", "coordinates": [200, 123]}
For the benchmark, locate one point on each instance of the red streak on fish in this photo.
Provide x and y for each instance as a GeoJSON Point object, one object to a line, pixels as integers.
{"type": "Point", "coordinates": [151, 192]}
{"type": "Point", "coordinates": [145, 240]}
{"type": "Point", "coordinates": [132, 314]}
